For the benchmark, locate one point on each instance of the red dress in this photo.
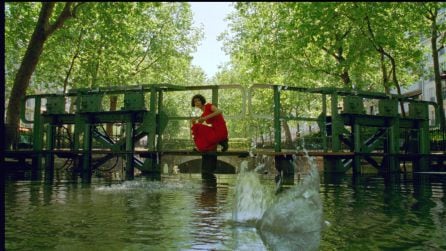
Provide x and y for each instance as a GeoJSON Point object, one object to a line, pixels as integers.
{"type": "Point", "coordinates": [206, 138]}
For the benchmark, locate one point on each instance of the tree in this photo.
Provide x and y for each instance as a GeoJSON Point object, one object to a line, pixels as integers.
{"type": "Point", "coordinates": [437, 36]}
{"type": "Point", "coordinates": [387, 29]}
{"type": "Point", "coordinates": [43, 30]}
{"type": "Point", "coordinates": [107, 44]}
{"type": "Point", "coordinates": [363, 46]}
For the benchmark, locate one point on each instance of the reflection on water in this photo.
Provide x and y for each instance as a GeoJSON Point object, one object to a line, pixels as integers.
{"type": "Point", "coordinates": [385, 213]}
{"type": "Point", "coordinates": [190, 212]}
{"type": "Point", "coordinates": [206, 222]}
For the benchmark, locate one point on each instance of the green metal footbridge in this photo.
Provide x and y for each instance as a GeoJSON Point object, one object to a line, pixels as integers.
{"type": "Point", "coordinates": [346, 128]}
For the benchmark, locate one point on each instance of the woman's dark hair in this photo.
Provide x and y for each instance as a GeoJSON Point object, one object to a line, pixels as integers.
{"type": "Point", "coordinates": [200, 97]}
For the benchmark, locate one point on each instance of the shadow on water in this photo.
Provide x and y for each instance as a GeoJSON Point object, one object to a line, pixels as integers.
{"type": "Point", "coordinates": [422, 212]}
{"type": "Point", "coordinates": [392, 211]}
{"type": "Point", "coordinates": [419, 186]}
{"type": "Point", "coordinates": [206, 215]}
{"type": "Point", "coordinates": [209, 181]}
{"type": "Point", "coordinates": [422, 192]}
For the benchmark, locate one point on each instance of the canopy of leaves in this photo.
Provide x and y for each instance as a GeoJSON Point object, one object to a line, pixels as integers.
{"type": "Point", "coordinates": [108, 43]}
{"type": "Point", "coordinates": [356, 45]}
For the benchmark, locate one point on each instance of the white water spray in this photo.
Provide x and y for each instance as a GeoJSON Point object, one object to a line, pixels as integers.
{"type": "Point", "coordinates": [148, 186]}
{"type": "Point", "coordinates": [298, 209]}
{"type": "Point", "coordinates": [251, 198]}
{"type": "Point", "coordinates": [292, 220]}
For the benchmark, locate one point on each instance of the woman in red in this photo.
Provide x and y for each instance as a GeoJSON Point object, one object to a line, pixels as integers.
{"type": "Point", "coordinates": [212, 133]}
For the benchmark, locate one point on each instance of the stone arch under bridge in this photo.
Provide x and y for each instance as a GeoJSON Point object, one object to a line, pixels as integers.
{"type": "Point", "coordinates": [192, 164]}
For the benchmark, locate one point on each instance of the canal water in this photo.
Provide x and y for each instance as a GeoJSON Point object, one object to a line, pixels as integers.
{"type": "Point", "coordinates": [243, 211]}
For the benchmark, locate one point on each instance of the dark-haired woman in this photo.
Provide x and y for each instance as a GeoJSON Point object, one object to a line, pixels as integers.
{"type": "Point", "coordinates": [209, 130]}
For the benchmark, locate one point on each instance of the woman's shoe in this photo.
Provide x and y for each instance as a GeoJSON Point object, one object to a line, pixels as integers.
{"type": "Point", "coordinates": [224, 145]}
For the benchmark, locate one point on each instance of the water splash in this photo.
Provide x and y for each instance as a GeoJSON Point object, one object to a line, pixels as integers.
{"type": "Point", "coordinates": [298, 209]}
{"type": "Point", "coordinates": [252, 148]}
{"type": "Point", "coordinates": [263, 164]}
{"type": "Point", "coordinates": [251, 198]}
{"type": "Point", "coordinates": [147, 186]}
{"type": "Point", "coordinates": [292, 220]}
{"type": "Point", "coordinates": [260, 168]}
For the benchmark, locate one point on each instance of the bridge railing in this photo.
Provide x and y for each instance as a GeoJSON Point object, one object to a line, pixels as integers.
{"type": "Point", "coordinates": [321, 113]}
{"type": "Point", "coordinates": [275, 106]}
{"type": "Point", "coordinates": [231, 99]}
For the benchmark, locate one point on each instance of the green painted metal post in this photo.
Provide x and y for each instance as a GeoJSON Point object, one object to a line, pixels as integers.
{"type": "Point", "coordinates": [324, 123]}
{"type": "Point", "coordinates": [129, 147]}
{"type": "Point", "coordinates": [152, 131]}
{"type": "Point", "coordinates": [282, 163]}
{"type": "Point", "coordinates": [393, 145]}
{"type": "Point", "coordinates": [86, 156]}
{"type": "Point", "coordinates": [77, 131]}
{"type": "Point", "coordinates": [49, 157]}
{"type": "Point", "coordinates": [334, 165]}
{"type": "Point", "coordinates": [78, 123]}
{"type": "Point", "coordinates": [424, 147]}
{"type": "Point", "coordinates": [37, 139]}
{"type": "Point", "coordinates": [215, 96]}
{"type": "Point", "coordinates": [158, 121]}
{"type": "Point", "coordinates": [38, 133]}
{"type": "Point", "coordinates": [420, 112]}
{"type": "Point", "coordinates": [277, 131]}
{"type": "Point", "coordinates": [357, 147]}
{"type": "Point", "coordinates": [335, 123]}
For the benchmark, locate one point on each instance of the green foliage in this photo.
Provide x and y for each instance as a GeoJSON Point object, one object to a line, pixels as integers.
{"type": "Point", "coordinates": [307, 44]}
{"type": "Point", "coordinates": [108, 43]}
{"type": "Point", "coordinates": [313, 44]}
{"type": "Point", "coordinates": [321, 43]}
{"type": "Point", "coordinates": [20, 19]}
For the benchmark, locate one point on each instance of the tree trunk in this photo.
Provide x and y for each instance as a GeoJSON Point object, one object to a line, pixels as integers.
{"type": "Point", "coordinates": [29, 62]}
{"type": "Point", "coordinates": [438, 87]}
{"type": "Point", "coordinates": [297, 131]}
{"type": "Point", "coordinates": [73, 59]}
{"type": "Point", "coordinates": [260, 136]}
{"type": "Point", "coordinates": [384, 72]}
{"type": "Point", "coordinates": [96, 70]}
{"type": "Point", "coordinates": [396, 83]}
{"type": "Point", "coordinates": [71, 110]}
{"type": "Point", "coordinates": [287, 132]}
{"type": "Point", "coordinates": [345, 76]}
{"type": "Point", "coordinates": [262, 139]}
{"type": "Point", "coordinates": [286, 129]}
{"type": "Point", "coordinates": [25, 71]}
{"type": "Point", "coordinates": [271, 136]}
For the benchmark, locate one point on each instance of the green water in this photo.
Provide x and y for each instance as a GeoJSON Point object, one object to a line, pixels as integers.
{"type": "Point", "coordinates": [183, 212]}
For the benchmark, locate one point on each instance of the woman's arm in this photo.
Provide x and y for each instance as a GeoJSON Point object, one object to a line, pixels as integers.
{"type": "Point", "coordinates": [215, 112]}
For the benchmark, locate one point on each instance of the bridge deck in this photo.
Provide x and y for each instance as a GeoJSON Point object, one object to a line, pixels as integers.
{"type": "Point", "coordinates": [145, 153]}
